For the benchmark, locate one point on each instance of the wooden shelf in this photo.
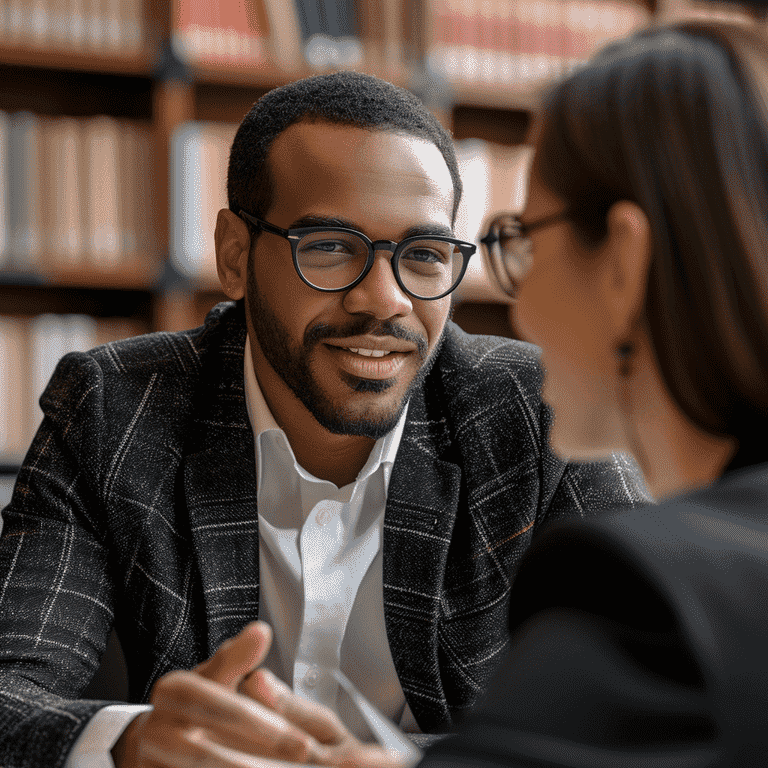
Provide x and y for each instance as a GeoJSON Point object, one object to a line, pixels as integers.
{"type": "Point", "coordinates": [140, 63]}
{"type": "Point", "coordinates": [26, 300]}
{"type": "Point", "coordinates": [500, 126]}
{"type": "Point", "coordinates": [520, 97]}
{"type": "Point", "coordinates": [141, 274]}
{"type": "Point", "coordinates": [260, 74]}
{"type": "Point", "coordinates": [48, 90]}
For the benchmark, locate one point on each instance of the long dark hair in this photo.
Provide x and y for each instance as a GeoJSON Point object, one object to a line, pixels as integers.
{"type": "Point", "coordinates": [676, 120]}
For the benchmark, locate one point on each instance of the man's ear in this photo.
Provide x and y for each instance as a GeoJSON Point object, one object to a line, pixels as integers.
{"type": "Point", "coordinates": [628, 250]}
{"type": "Point", "coordinates": [233, 242]}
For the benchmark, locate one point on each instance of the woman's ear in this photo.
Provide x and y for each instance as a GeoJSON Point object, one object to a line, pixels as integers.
{"type": "Point", "coordinates": [627, 250]}
{"type": "Point", "coordinates": [233, 242]}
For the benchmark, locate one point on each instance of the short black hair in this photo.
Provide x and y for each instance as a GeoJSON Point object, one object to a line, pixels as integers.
{"type": "Point", "coordinates": [343, 98]}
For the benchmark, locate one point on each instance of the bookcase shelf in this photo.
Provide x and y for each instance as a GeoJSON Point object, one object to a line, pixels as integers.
{"type": "Point", "coordinates": [141, 63]}
{"type": "Point", "coordinates": [263, 75]}
{"type": "Point", "coordinates": [27, 300]}
{"type": "Point", "coordinates": [50, 90]}
{"type": "Point", "coordinates": [521, 97]}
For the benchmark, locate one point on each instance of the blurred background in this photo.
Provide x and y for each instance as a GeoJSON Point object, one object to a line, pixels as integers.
{"type": "Point", "coordinates": [116, 118]}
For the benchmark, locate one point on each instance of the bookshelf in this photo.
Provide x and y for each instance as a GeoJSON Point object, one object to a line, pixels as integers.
{"type": "Point", "coordinates": [115, 100]}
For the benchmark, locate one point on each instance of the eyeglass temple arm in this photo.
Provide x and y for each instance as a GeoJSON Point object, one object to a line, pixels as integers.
{"type": "Point", "coordinates": [266, 226]}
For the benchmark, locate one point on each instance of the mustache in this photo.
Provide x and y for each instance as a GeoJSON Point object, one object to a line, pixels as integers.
{"type": "Point", "coordinates": [366, 326]}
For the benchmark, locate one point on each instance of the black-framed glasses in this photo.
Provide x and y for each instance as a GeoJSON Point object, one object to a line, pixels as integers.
{"type": "Point", "coordinates": [332, 259]}
{"type": "Point", "coordinates": [507, 247]}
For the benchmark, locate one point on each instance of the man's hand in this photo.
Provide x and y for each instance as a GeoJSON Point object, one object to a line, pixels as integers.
{"type": "Point", "coordinates": [208, 717]}
{"type": "Point", "coordinates": [342, 748]}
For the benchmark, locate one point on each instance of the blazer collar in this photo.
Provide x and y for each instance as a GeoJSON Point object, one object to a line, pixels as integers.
{"type": "Point", "coordinates": [219, 475]}
{"type": "Point", "coordinates": [418, 525]}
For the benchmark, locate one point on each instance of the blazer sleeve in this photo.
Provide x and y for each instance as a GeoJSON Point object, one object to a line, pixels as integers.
{"type": "Point", "coordinates": [56, 594]}
{"type": "Point", "coordinates": [602, 668]}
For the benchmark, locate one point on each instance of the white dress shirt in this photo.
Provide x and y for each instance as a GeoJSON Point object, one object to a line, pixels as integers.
{"type": "Point", "coordinates": [321, 577]}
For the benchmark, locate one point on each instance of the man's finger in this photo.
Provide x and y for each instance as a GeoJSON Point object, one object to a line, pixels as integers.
{"type": "Point", "coordinates": [239, 655]}
{"type": "Point", "coordinates": [370, 756]}
{"type": "Point", "coordinates": [196, 748]}
{"type": "Point", "coordinates": [318, 721]}
{"type": "Point", "coordinates": [228, 718]}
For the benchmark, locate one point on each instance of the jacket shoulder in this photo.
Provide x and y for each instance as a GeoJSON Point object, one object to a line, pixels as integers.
{"type": "Point", "coordinates": [487, 362]}
{"type": "Point", "coordinates": [179, 352]}
{"type": "Point", "coordinates": [115, 377]}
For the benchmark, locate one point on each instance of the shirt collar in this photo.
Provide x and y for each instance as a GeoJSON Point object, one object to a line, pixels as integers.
{"type": "Point", "coordinates": [384, 450]}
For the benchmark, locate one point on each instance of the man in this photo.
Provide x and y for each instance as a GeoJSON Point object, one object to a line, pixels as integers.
{"type": "Point", "coordinates": [328, 454]}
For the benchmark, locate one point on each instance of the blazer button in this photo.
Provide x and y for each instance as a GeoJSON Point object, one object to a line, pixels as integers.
{"type": "Point", "coordinates": [310, 679]}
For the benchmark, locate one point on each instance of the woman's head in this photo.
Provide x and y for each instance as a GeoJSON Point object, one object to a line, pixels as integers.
{"type": "Point", "coordinates": [658, 151]}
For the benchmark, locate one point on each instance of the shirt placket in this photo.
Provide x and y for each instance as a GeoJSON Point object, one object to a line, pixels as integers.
{"type": "Point", "coordinates": [333, 563]}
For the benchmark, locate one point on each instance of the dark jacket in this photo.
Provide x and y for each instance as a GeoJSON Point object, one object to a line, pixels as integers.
{"type": "Point", "coordinates": [640, 640]}
{"type": "Point", "coordinates": [136, 506]}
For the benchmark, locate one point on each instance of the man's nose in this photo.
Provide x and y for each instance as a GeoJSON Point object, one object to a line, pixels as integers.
{"type": "Point", "coordinates": [379, 294]}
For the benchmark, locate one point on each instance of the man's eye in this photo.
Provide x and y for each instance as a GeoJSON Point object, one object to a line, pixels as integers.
{"type": "Point", "coordinates": [425, 255]}
{"type": "Point", "coordinates": [327, 246]}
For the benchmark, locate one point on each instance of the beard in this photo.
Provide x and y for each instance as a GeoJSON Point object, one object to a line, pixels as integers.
{"type": "Point", "coordinates": [291, 362]}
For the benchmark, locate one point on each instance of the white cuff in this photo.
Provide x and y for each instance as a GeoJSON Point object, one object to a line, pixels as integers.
{"type": "Point", "coordinates": [93, 746]}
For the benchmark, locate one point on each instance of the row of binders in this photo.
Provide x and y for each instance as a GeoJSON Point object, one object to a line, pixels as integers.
{"type": "Point", "coordinates": [90, 26]}
{"type": "Point", "coordinates": [30, 348]}
{"type": "Point", "coordinates": [492, 40]}
{"type": "Point", "coordinates": [519, 41]}
{"type": "Point", "coordinates": [74, 193]}
{"type": "Point", "coordinates": [464, 40]}
{"type": "Point", "coordinates": [322, 33]}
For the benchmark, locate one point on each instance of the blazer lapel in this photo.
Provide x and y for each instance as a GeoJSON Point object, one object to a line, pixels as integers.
{"type": "Point", "coordinates": [220, 491]}
{"type": "Point", "coordinates": [418, 524]}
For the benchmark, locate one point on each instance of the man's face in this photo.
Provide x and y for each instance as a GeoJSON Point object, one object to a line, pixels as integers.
{"type": "Point", "coordinates": [349, 358]}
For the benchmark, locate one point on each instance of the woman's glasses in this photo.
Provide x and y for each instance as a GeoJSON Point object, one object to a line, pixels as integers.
{"type": "Point", "coordinates": [507, 248]}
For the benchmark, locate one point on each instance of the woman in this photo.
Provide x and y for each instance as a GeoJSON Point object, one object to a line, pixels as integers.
{"type": "Point", "coordinates": [641, 269]}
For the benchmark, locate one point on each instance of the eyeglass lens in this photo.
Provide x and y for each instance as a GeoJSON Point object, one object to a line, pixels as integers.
{"type": "Point", "coordinates": [333, 260]}
{"type": "Point", "coordinates": [510, 255]}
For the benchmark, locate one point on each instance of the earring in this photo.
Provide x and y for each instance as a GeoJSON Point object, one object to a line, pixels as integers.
{"type": "Point", "coordinates": [624, 354]}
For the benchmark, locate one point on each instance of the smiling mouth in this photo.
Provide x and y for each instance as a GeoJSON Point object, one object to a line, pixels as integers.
{"type": "Point", "coordinates": [367, 352]}
{"type": "Point", "coordinates": [367, 363]}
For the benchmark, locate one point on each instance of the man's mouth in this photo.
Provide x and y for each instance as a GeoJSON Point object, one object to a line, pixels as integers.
{"type": "Point", "coordinates": [368, 352]}
{"type": "Point", "coordinates": [369, 362]}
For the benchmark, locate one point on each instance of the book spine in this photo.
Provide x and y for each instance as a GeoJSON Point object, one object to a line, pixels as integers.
{"type": "Point", "coordinates": [24, 208]}
{"type": "Point", "coordinates": [474, 168]}
{"type": "Point", "coordinates": [285, 38]}
{"type": "Point", "coordinates": [13, 364]}
{"type": "Point", "coordinates": [131, 29]}
{"type": "Point", "coordinates": [4, 189]}
{"type": "Point", "coordinates": [187, 244]}
{"type": "Point", "coordinates": [64, 194]}
{"type": "Point", "coordinates": [102, 192]}
{"type": "Point", "coordinates": [130, 186]}
{"type": "Point", "coordinates": [217, 32]}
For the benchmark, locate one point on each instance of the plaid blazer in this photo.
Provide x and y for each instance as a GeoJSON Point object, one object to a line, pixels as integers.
{"type": "Point", "coordinates": [136, 508]}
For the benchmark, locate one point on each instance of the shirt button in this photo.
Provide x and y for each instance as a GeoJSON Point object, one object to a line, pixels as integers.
{"type": "Point", "coordinates": [310, 679]}
{"type": "Point", "coordinates": [323, 516]}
